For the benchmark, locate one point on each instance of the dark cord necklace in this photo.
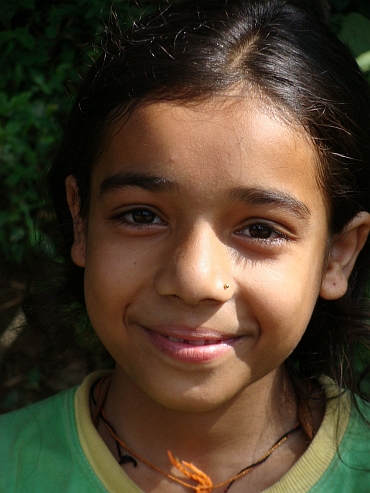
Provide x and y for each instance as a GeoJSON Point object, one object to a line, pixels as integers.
{"type": "Point", "coordinates": [205, 484]}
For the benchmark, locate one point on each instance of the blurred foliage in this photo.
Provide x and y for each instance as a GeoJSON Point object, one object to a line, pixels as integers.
{"type": "Point", "coordinates": [351, 23]}
{"type": "Point", "coordinates": [45, 47]}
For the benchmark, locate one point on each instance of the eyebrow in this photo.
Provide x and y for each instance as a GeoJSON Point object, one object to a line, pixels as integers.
{"type": "Point", "coordinates": [261, 196]}
{"type": "Point", "coordinates": [152, 183]}
{"type": "Point", "coordinates": [251, 195]}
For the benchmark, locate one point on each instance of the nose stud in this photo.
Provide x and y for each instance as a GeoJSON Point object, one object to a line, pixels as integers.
{"type": "Point", "coordinates": [226, 286]}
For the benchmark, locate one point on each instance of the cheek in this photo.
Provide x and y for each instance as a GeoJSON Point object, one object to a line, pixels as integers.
{"type": "Point", "coordinates": [112, 263]}
{"type": "Point", "coordinates": [284, 299]}
{"type": "Point", "coordinates": [107, 278]}
{"type": "Point", "coordinates": [117, 273]}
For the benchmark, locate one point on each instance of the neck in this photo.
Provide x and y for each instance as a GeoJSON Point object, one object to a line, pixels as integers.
{"type": "Point", "coordinates": [245, 427]}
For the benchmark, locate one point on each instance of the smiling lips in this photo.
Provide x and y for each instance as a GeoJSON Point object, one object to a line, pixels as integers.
{"type": "Point", "coordinates": [199, 346]}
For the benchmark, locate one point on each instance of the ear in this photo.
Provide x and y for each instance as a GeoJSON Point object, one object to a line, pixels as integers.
{"type": "Point", "coordinates": [78, 250]}
{"type": "Point", "coordinates": [344, 252]}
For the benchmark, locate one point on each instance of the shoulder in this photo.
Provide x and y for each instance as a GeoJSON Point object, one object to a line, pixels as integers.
{"type": "Point", "coordinates": [349, 470]}
{"type": "Point", "coordinates": [33, 436]}
{"type": "Point", "coordinates": [37, 418]}
{"type": "Point", "coordinates": [355, 446]}
{"type": "Point", "coordinates": [38, 425]}
{"type": "Point", "coordinates": [40, 449]}
{"type": "Point", "coordinates": [337, 459]}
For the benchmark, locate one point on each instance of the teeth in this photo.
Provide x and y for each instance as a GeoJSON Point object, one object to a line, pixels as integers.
{"type": "Point", "coordinates": [208, 342]}
{"type": "Point", "coordinates": [194, 342]}
{"type": "Point", "coordinates": [197, 343]}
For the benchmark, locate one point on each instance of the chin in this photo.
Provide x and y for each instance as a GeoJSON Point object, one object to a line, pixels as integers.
{"type": "Point", "coordinates": [193, 400]}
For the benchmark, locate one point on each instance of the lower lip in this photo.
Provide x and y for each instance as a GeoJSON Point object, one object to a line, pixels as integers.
{"type": "Point", "coordinates": [188, 353]}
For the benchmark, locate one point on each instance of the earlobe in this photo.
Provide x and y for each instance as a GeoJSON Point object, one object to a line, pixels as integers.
{"type": "Point", "coordinates": [78, 249]}
{"type": "Point", "coordinates": [344, 252]}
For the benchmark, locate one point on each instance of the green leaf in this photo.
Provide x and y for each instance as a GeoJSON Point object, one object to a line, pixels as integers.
{"type": "Point", "coordinates": [353, 30]}
{"type": "Point", "coordinates": [364, 61]}
{"type": "Point", "coordinates": [22, 35]}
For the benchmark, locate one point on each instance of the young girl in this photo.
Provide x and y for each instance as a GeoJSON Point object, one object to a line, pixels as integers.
{"type": "Point", "coordinates": [212, 192]}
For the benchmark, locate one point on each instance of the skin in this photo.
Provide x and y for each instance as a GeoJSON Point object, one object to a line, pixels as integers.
{"type": "Point", "coordinates": [156, 260]}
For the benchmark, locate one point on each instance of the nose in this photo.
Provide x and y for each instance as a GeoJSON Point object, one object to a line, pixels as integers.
{"type": "Point", "coordinates": [197, 268]}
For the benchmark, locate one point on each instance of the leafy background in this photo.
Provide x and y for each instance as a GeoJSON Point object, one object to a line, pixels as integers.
{"type": "Point", "coordinates": [45, 48]}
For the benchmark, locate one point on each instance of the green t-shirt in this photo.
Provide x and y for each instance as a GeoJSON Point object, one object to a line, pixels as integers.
{"type": "Point", "coordinates": [53, 447]}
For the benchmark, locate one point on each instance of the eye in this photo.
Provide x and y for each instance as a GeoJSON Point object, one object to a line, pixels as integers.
{"type": "Point", "coordinates": [142, 216]}
{"type": "Point", "coordinates": [262, 231]}
{"type": "Point", "coordinates": [138, 217]}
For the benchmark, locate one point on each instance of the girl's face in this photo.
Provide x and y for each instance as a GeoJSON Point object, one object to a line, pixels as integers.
{"type": "Point", "coordinates": [204, 250]}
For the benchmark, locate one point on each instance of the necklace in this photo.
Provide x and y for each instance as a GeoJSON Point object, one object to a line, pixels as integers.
{"type": "Point", "coordinates": [205, 484]}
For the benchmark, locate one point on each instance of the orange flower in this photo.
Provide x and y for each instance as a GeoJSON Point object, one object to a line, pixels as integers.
{"type": "Point", "coordinates": [189, 470]}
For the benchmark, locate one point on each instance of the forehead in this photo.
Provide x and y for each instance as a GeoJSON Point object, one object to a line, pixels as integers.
{"type": "Point", "coordinates": [223, 142]}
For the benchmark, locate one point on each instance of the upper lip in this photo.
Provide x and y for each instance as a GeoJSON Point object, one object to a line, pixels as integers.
{"type": "Point", "coordinates": [191, 333]}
